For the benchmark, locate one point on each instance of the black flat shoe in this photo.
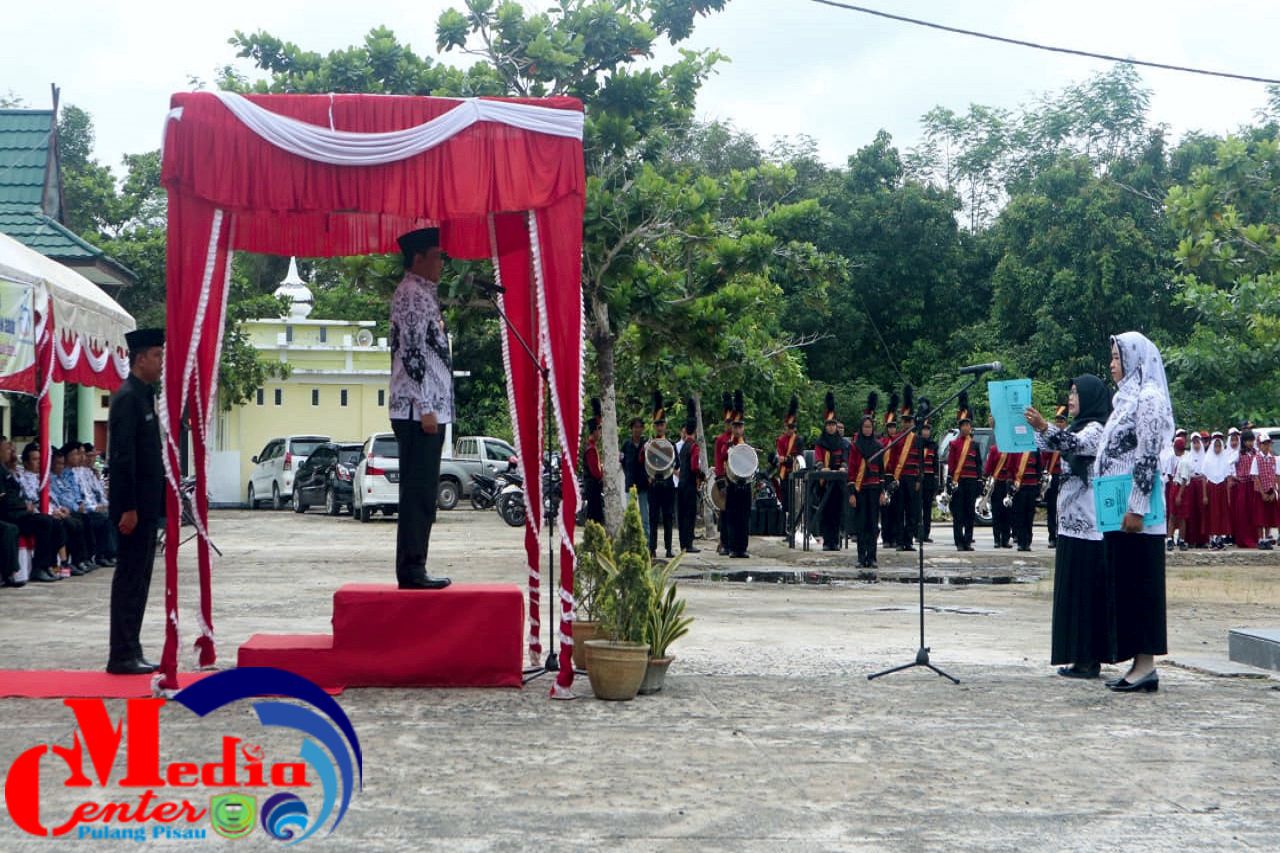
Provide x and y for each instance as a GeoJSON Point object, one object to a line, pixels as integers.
{"type": "Point", "coordinates": [44, 576]}
{"type": "Point", "coordinates": [1148, 683]}
{"type": "Point", "coordinates": [426, 582]}
{"type": "Point", "coordinates": [16, 584]}
{"type": "Point", "coordinates": [743, 555]}
{"type": "Point", "coordinates": [1076, 672]}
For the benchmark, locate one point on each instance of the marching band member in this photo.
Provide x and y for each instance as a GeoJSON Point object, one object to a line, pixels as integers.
{"type": "Point", "coordinates": [888, 518]}
{"type": "Point", "coordinates": [662, 491]}
{"type": "Point", "coordinates": [929, 479]}
{"type": "Point", "coordinates": [828, 455]}
{"type": "Point", "coordinates": [788, 446]}
{"type": "Point", "coordinates": [998, 467]}
{"type": "Point", "coordinates": [964, 477]}
{"type": "Point", "coordinates": [864, 486]}
{"type": "Point", "coordinates": [1025, 488]}
{"type": "Point", "coordinates": [737, 499]}
{"type": "Point", "coordinates": [721, 447]}
{"type": "Point", "coordinates": [633, 471]}
{"type": "Point", "coordinates": [905, 464]}
{"type": "Point", "coordinates": [593, 488]}
{"type": "Point", "coordinates": [690, 472]}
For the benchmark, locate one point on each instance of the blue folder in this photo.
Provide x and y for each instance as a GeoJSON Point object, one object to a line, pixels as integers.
{"type": "Point", "coordinates": [1009, 399]}
{"type": "Point", "coordinates": [1111, 497]}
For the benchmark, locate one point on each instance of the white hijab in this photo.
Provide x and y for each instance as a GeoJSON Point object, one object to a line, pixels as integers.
{"type": "Point", "coordinates": [1143, 372]}
{"type": "Point", "coordinates": [1217, 466]}
{"type": "Point", "coordinates": [1197, 455]}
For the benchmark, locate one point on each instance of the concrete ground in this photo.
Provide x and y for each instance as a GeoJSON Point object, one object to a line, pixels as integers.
{"type": "Point", "coordinates": [768, 735]}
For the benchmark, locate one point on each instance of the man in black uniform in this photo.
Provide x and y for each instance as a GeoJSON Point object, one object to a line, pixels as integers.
{"type": "Point", "coordinates": [737, 499]}
{"type": "Point", "coordinates": [690, 468]}
{"type": "Point", "coordinates": [633, 473]}
{"type": "Point", "coordinates": [662, 490]}
{"type": "Point", "coordinates": [137, 497]}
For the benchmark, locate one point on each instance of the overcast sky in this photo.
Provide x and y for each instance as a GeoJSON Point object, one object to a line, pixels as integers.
{"type": "Point", "coordinates": [797, 67]}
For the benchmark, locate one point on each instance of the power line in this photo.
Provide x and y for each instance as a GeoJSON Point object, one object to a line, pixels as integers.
{"type": "Point", "coordinates": [1021, 43]}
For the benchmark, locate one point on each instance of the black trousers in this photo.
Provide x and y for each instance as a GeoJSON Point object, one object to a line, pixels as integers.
{"type": "Point", "coordinates": [662, 507]}
{"type": "Point", "coordinates": [908, 520]}
{"type": "Point", "coordinates": [1051, 508]}
{"type": "Point", "coordinates": [928, 494]}
{"type": "Point", "coordinates": [1024, 514]}
{"type": "Point", "coordinates": [8, 549]}
{"type": "Point", "coordinates": [419, 487]}
{"type": "Point", "coordinates": [130, 583]}
{"type": "Point", "coordinates": [831, 504]}
{"type": "Point", "coordinates": [101, 534]}
{"type": "Point", "coordinates": [724, 517]}
{"type": "Point", "coordinates": [737, 515]}
{"type": "Point", "coordinates": [48, 536]}
{"type": "Point", "coordinates": [77, 538]}
{"type": "Point", "coordinates": [686, 510]}
{"type": "Point", "coordinates": [1001, 516]}
{"type": "Point", "coordinates": [964, 502]}
{"type": "Point", "coordinates": [889, 519]}
{"type": "Point", "coordinates": [592, 496]}
{"type": "Point", "coordinates": [865, 518]}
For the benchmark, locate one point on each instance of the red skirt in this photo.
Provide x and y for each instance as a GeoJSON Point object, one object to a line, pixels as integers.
{"type": "Point", "coordinates": [1217, 514]}
{"type": "Point", "coordinates": [1197, 513]}
{"type": "Point", "coordinates": [1244, 512]}
{"type": "Point", "coordinates": [1269, 512]}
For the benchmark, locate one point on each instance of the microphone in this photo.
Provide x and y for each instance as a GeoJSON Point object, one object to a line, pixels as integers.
{"type": "Point", "coordinates": [981, 368]}
{"type": "Point", "coordinates": [485, 288]}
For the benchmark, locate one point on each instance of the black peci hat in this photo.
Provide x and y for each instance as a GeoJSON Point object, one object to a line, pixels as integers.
{"type": "Point", "coordinates": [144, 339]}
{"type": "Point", "coordinates": [416, 242]}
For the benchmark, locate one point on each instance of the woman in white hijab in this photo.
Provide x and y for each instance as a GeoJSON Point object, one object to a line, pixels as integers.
{"type": "Point", "coordinates": [1197, 520]}
{"type": "Point", "coordinates": [1216, 467]}
{"type": "Point", "coordinates": [1140, 426]}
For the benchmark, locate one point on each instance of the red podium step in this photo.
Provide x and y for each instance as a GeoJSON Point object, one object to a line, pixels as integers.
{"type": "Point", "coordinates": [466, 635]}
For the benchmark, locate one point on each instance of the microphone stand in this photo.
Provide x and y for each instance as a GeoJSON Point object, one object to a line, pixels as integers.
{"type": "Point", "coordinates": [551, 497]}
{"type": "Point", "coordinates": [922, 653]}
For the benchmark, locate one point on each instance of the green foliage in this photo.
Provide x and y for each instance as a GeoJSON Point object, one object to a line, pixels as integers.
{"type": "Point", "coordinates": [1228, 254]}
{"type": "Point", "coordinates": [590, 572]}
{"type": "Point", "coordinates": [667, 622]}
{"type": "Point", "coordinates": [628, 594]}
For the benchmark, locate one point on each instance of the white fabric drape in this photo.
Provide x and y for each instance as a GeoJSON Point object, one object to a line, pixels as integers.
{"type": "Point", "coordinates": [348, 148]}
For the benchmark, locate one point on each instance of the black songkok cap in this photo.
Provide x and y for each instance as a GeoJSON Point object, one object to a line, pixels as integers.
{"type": "Point", "coordinates": [417, 242]}
{"type": "Point", "coordinates": [144, 339]}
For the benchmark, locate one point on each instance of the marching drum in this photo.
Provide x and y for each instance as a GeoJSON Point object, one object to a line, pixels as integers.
{"type": "Point", "coordinates": [742, 463]}
{"type": "Point", "coordinates": [659, 458]}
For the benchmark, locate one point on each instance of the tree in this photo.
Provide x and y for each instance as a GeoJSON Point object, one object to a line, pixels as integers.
{"type": "Point", "coordinates": [1228, 257]}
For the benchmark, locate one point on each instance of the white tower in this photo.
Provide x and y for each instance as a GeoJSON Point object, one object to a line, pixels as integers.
{"type": "Point", "coordinates": [299, 295]}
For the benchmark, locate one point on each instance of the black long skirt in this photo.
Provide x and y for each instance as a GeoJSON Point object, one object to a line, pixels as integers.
{"type": "Point", "coordinates": [1135, 575]}
{"type": "Point", "coordinates": [1083, 626]}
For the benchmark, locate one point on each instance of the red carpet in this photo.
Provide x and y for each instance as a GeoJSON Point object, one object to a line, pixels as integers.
{"type": "Point", "coordinates": [467, 635]}
{"type": "Point", "coordinates": [80, 684]}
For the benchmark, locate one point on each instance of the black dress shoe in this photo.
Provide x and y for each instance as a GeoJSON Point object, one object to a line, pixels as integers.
{"type": "Point", "coordinates": [1080, 672]}
{"type": "Point", "coordinates": [669, 554]}
{"type": "Point", "coordinates": [1149, 683]}
{"type": "Point", "coordinates": [743, 555]}
{"type": "Point", "coordinates": [968, 548]}
{"type": "Point", "coordinates": [720, 549]}
{"type": "Point", "coordinates": [1024, 547]}
{"type": "Point", "coordinates": [11, 581]}
{"type": "Point", "coordinates": [44, 576]}
{"type": "Point", "coordinates": [105, 562]}
{"type": "Point", "coordinates": [425, 582]}
{"type": "Point", "coordinates": [130, 667]}
{"type": "Point", "coordinates": [693, 550]}
{"type": "Point", "coordinates": [142, 660]}
{"type": "Point", "coordinates": [79, 570]}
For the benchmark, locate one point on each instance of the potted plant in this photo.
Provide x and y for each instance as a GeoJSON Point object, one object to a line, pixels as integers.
{"type": "Point", "coordinates": [616, 666]}
{"type": "Point", "coordinates": [589, 575]}
{"type": "Point", "coordinates": [667, 623]}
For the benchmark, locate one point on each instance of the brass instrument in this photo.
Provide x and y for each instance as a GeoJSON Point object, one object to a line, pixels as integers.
{"type": "Point", "coordinates": [944, 499]}
{"type": "Point", "coordinates": [1045, 485]}
{"type": "Point", "coordinates": [984, 501]}
{"type": "Point", "coordinates": [1008, 496]}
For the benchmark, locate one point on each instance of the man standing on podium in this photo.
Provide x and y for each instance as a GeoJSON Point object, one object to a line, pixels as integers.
{"type": "Point", "coordinates": [421, 401]}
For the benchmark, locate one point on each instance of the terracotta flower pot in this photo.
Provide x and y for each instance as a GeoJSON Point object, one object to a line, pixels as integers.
{"type": "Point", "coordinates": [582, 632]}
{"type": "Point", "coordinates": [616, 669]}
{"type": "Point", "coordinates": [655, 675]}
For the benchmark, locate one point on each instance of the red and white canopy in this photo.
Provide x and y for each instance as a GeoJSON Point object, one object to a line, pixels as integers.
{"type": "Point", "coordinates": [325, 175]}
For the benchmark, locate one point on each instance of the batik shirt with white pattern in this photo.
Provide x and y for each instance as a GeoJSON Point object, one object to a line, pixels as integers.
{"type": "Point", "coordinates": [421, 365]}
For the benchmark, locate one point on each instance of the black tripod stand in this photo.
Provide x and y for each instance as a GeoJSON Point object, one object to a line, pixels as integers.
{"type": "Point", "coordinates": [551, 494]}
{"type": "Point", "coordinates": [922, 653]}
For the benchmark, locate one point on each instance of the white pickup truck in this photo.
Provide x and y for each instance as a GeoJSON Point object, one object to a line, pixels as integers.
{"type": "Point", "coordinates": [473, 454]}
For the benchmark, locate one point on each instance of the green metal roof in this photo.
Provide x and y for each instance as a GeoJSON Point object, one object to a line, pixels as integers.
{"type": "Point", "coordinates": [25, 136]}
{"type": "Point", "coordinates": [24, 157]}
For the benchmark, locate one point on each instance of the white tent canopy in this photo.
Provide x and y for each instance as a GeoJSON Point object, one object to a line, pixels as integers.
{"type": "Point", "coordinates": [80, 308]}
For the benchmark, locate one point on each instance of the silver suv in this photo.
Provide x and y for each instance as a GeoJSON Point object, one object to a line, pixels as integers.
{"type": "Point", "coordinates": [274, 467]}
